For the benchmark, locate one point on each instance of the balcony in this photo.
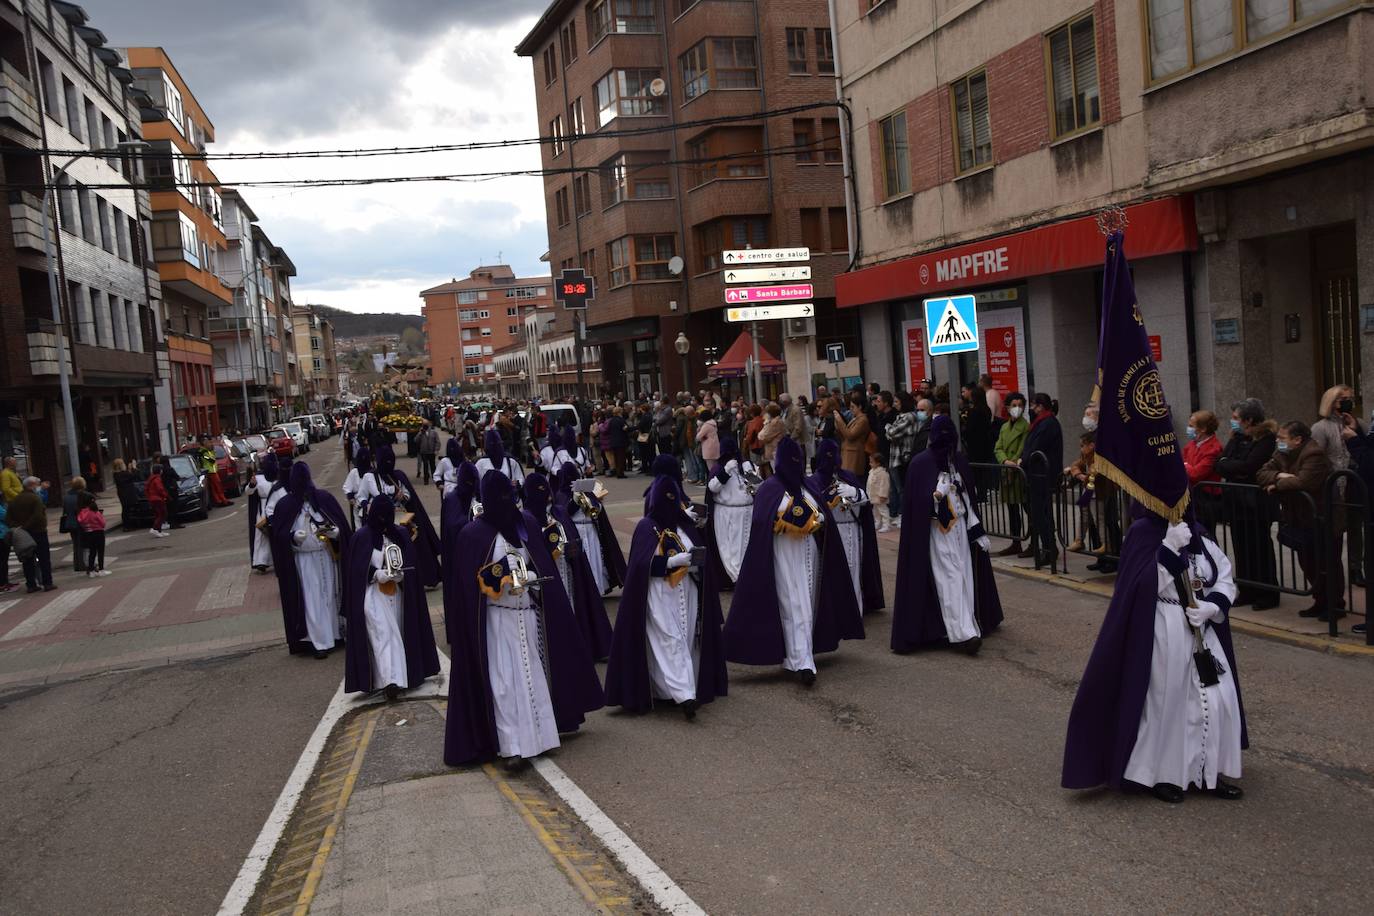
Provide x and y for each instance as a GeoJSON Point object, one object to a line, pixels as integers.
{"type": "Point", "coordinates": [18, 103]}
{"type": "Point", "coordinates": [43, 359]}
{"type": "Point", "coordinates": [26, 216]}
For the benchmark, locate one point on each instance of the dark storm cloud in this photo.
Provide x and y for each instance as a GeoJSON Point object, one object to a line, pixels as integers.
{"type": "Point", "coordinates": [283, 69]}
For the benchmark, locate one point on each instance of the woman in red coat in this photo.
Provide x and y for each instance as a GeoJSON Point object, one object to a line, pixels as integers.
{"type": "Point", "coordinates": [1200, 456]}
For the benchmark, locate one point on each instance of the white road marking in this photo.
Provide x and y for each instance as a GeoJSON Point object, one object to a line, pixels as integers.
{"type": "Point", "coordinates": [140, 602]}
{"type": "Point", "coordinates": [251, 872]}
{"type": "Point", "coordinates": [643, 869]}
{"type": "Point", "coordinates": [226, 589]}
{"type": "Point", "coordinates": [50, 615]}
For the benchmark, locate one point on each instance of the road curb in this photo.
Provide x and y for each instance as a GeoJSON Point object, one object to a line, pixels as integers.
{"type": "Point", "coordinates": [1302, 640]}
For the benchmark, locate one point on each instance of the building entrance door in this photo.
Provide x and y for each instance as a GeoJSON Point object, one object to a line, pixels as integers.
{"type": "Point", "coordinates": [1333, 276]}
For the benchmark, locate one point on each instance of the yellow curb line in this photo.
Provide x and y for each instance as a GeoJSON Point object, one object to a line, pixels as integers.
{"type": "Point", "coordinates": [1319, 643]}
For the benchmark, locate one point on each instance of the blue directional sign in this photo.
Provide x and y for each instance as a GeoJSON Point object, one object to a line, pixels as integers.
{"type": "Point", "coordinates": [951, 325]}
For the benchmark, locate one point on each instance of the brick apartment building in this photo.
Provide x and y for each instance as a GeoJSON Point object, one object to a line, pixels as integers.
{"type": "Point", "coordinates": [188, 238]}
{"type": "Point", "coordinates": [1235, 133]}
{"type": "Point", "coordinates": [467, 321]}
{"type": "Point", "coordinates": [622, 207]}
{"type": "Point", "coordinates": [62, 88]}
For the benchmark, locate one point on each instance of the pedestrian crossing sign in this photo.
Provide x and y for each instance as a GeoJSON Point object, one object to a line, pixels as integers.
{"type": "Point", "coordinates": [951, 325]}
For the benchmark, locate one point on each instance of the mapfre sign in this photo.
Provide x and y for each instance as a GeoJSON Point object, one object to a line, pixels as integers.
{"type": "Point", "coordinates": [988, 264]}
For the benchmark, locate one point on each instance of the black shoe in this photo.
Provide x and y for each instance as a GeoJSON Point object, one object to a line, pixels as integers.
{"type": "Point", "coordinates": [32, 588]}
{"type": "Point", "coordinates": [391, 691]}
{"type": "Point", "coordinates": [1095, 567]}
{"type": "Point", "coordinates": [1011, 550]}
{"type": "Point", "coordinates": [515, 764]}
{"type": "Point", "coordinates": [1325, 617]}
{"type": "Point", "coordinates": [1048, 559]}
{"type": "Point", "coordinates": [1313, 611]}
{"type": "Point", "coordinates": [1026, 554]}
{"type": "Point", "coordinates": [321, 653]}
{"type": "Point", "coordinates": [1227, 791]}
{"type": "Point", "coordinates": [807, 677]}
{"type": "Point", "coordinates": [1264, 604]}
{"type": "Point", "coordinates": [689, 709]}
{"type": "Point", "coordinates": [1358, 628]}
{"type": "Point", "coordinates": [970, 646]}
{"type": "Point", "coordinates": [1167, 793]}
{"type": "Point", "coordinates": [50, 587]}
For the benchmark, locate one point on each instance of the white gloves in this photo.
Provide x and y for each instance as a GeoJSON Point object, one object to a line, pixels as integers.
{"type": "Point", "coordinates": [985, 544]}
{"type": "Point", "coordinates": [1204, 612]}
{"type": "Point", "coordinates": [298, 537]}
{"type": "Point", "coordinates": [731, 466]}
{"type": "Point", "coordinates": [679, 560]}
{"type": "Point", "coordinates": [383, 576]}
{"type": "Point", "coordinates": [1178, 537]}
{"type": "Point", "coordinates": [848, 492]}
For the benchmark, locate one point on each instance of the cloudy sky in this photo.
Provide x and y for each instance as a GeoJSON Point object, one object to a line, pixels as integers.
{"type": "Point", "coordinates": [343, 74]}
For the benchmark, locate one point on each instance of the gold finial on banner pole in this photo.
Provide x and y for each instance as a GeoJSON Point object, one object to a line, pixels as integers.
{"type": "Point", "coordinates": [1112, 219]}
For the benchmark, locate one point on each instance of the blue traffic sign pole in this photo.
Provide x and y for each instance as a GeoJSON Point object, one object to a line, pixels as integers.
{"type": "Point", "coordinates": [951, 329]}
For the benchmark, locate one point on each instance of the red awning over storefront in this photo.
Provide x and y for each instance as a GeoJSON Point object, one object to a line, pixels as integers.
{"type": "Point", "coordinates": [731, 365]}
{"type": "Point", "coordinates": [1158, 227]}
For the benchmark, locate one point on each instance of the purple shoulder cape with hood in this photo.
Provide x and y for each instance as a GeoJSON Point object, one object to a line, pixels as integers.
{"type": "Point", "coordinates": [454, 513]}
{"type": "Point", "coordinates": [588, 606]}
{"type": "Point", "coordinates": [611, 553]}
{"type": "Point", "coordinates": [470, 729]}
{"type": "Point", "coordinates": [300, 491]}
{"type": "Point", "coordinates": [1106, 712]}
{"type": "Point", "coordinates": [427, 544]}
{"type": "Point", "coordinates": [422, 657]}
{"type": "Point", "coordinates": [916, 617]}
{"type": "Point", "coordinates": [627, 674]}
{"type": "Point", "coordinates": [870, 567]}
{"type": "Point", "coordinates": [729, 449]}
{"type": "Point", "coordinates": [753, 631]}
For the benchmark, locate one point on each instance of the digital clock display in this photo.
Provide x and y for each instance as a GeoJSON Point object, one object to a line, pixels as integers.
{"type": "Point", "coordinates": [574, 289]}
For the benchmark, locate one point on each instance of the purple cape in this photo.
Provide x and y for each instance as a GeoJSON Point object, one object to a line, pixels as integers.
{"type": "Point", "coordinates": [1106, 712]}
{"type": "Point", "coordinates": [589, 607]}
{"type": "Point", "coordinates": [281, 526]}
{"type": "Point", "coordinates": [627, 674]}
{"type": "Point", "coordinates": [753, 631]}
{"type": "Point", "coordinates": [454, 514]}
{"type": "Point", "coordinates": [870, 567]}
{"type": "Point", "coordinates": [422, 658]}
{"type": "Point", "coordinates": [611, 554]}
{"type": "Point", "coordinates": [916, 617]}
{"type": "Point", "coordinates": [470, 730]}
{"type": "Point", "coordinates": [427, 544]}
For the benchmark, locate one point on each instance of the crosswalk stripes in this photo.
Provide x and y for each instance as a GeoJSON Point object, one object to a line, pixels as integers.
{"type": "Point", "coordinates": [139, 602]}
{"type": "Point", "coordinates": [50, 615]}
{"type": "Point", "coordinates": [227, 588]}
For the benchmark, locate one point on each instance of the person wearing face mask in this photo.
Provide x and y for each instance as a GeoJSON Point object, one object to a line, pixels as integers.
{"type": "Point", "coordinates": [1248, 513]}
{"type": "Point", "coordinates": [945, 591]}
{"type": "Point", "coordinates": [1337, 415]}
{"type": "Point", "coordinates": [1200, 455]}
{"type": "Point", "coordinates": [975, 424]}
{"type": "Point", "coordinates": [794, 598]}
{"type": "Point", "coordinates": [1299, 466]}
{"type": "Point", "coordinates": [1011, 442]}
{"type": "Point", "coordinates": [1045, 437]}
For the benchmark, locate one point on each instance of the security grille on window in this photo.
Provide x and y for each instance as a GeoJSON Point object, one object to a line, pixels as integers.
{"type": "Point", "coordinates": [1073, 76]}
{"type": "Point", "coordinates": [796, 52]}
{"type": "Point", "coordinates": [972, 127]}
{"type": "Point", "coordinates": [896, 159]}
{"type": "Point", "coordinates": [625, 94]}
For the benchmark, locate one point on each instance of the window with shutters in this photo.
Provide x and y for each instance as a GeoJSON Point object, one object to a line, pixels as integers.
{"type": "Point", "coordinates": [804, 140]}
{"type": "Point", "coordinates": [839, 229]}
{"type": "Point", "coordinates": [1072, 51]}
{"type": "Point", "coordinates": [1182, 35]}
{"type": "Point", "coordinates": [811, 228]}
{"type": "Point", "coordinates": [568, 36]}
{"type": "Point", "coordinates": [972, 125]}
{"type": "Point", "coordinates": [796, 52]}
{"type": "Point", "coordinates": [896, 157]}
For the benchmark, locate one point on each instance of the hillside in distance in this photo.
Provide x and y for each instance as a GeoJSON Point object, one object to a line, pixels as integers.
{"type": "Point", "coordinates": [368, 324]}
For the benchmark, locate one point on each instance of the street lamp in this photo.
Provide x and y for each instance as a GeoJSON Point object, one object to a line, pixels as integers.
{"type": "Point", "coordinates": [63, 373]}
{"type": "Point", "coordinates": [683, 347]}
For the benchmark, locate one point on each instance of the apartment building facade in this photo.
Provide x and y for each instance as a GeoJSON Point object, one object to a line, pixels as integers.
{"type": "Point", "coordinates": [62, 88]}
{"type": "Point", "coordinates": [1233, 133]}
{"type": "Point", "coordinates": [709, 167]}
{"type": "Point", "coordinates": [188, 239]}
{"type": "Point", "coordinates": [467, 321]}
{"type": "Point", "coordinates": [315, 355]}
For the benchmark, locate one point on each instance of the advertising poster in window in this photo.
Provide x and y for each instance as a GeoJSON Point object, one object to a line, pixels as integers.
{"type": "Point", "coordinates": [914, 349]}
{"type": "Point", "coordinates": [1002, 355]}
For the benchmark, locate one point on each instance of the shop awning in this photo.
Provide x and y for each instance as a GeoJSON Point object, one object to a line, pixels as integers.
{"type": "Point", "coordinates": [731, 365]}
{"type": "Point", "coordinates": [1157, 227]}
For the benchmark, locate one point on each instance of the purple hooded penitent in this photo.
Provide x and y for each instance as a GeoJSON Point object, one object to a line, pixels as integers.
{"type": "Point", "coordinates": [588, 606]}
{"type": "Point", "coordinates": [611, 553]}
{"type": "Point", "coordinates": [627, 673]}
{"type": "Point", "coordinates": [470, 729]}
{"type": "Point", "coordinates": [422, 657]}
{"type": "Point", "coordinates": [870, 569]}
{"type": "Point", "coordinates": [427, 544]}
{"type": "Point", "coordinates": [300, 492]}
{"type": "Point", "coordinates": [753, 631]}
{"type": "Point", "coordinates": [916, 617]}
{"type": "Point", "coordinates": [268, 470]}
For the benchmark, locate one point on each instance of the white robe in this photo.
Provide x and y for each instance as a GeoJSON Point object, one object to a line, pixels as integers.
{"type": "Point", "coordinates": [591, 545]}
{"type": "Point", "coordinates": [262, 538]}
{"type": "Point", "coordinates": [511, 469]}
{"type": "Point", "coordinates": [383, 614]}
{"type": "Point", "coordinates": [525, 725]}
{"type": "Point", "coordinates": [951, 564]}
{"type": "Point", "coordinates": [319, 577]}
{"type": "Point", "coordinates": [796, 575]}
{"type": "Point", "coordinates": [1188, 734]}
{"type": "Point", "coordinates": [351, 483]}
{"type": "Point", "coordinates": [852, 535]}
{"type": "Point", "coordinates": [732, 510]}
{"type": "Point", "coordinates": [674, 650]}
{"type": "Point", "coordinates": [372, 486]}
{"type": "Point", "coordinates": [546, 458]}
{"type": "Point", "coordinates": [447, 474]}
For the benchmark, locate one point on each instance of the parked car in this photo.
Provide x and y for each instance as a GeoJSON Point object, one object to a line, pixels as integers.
{"type": "Point", "coordinates": [299, 434]}
{"type": "Point", "coordinates": [241, 449]}
{"type": "Point", "coordinates": [559, 415]}
{"type": "Point", "coordinates": [307, 422]}
{"type": "Point", "coordinates": [323, 428]}
{"type": "Point", "coordinates": [282, 443]}
{"type": "Point", "coordinates": [229, 466]}
{"type": "Point", "coordinates": [260, 446]}
{"type": "Point", "coordinates": [190, 499]}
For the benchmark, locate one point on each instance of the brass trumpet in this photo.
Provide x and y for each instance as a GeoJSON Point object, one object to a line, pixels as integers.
{"type": "Point", "coordinates": [393, 562]}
